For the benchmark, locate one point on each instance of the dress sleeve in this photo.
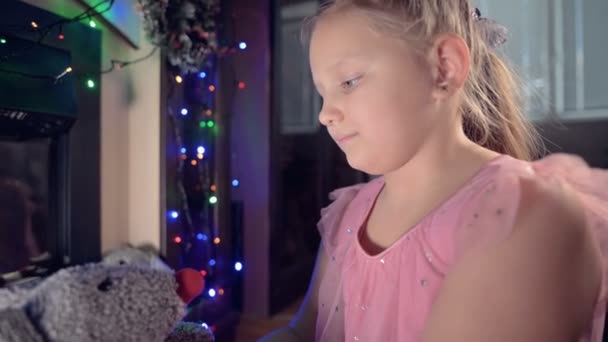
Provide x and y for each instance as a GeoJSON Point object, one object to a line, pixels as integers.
{"type": "Point", "coordinates": [335, 243]}
{"type": "Point", "coordinates": [490, 216]}
{"type": "Point", "coordinates": [331, 216]}
{"type": "Point", "coordinates": [590, 186]}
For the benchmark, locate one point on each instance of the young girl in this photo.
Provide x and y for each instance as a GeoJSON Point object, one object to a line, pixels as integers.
{"type": "Point", "coordinates": [463, 237]}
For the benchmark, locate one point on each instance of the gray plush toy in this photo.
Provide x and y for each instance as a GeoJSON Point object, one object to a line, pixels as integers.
{"type": "Point", "coordinates": [130, 296]}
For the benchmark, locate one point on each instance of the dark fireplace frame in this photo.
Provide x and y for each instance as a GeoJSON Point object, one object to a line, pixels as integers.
{"type": "Point", "coordinates": [74, 161]}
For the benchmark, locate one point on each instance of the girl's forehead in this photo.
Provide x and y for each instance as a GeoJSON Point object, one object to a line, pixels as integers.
{"type": "Point", "coordinates": [345, 36]}
{"type": "Point", "coordinates": [346, 23]}
{"type": "Point", "coordinates": [353, 33]}
{"type": "Point", "coordinates": [334, 44]}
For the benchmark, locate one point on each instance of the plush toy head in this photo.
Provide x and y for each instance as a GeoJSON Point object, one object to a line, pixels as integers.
{"type": "Point", "coordinates": [106, 303]}
{"type": "Point", "coordinates": [103, 302]}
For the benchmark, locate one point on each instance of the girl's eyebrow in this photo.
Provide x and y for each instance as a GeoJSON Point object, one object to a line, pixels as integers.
{"type": "Point", "coordinates": [351, 58]}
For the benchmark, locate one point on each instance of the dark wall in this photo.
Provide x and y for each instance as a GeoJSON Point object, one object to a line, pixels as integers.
{"type": "Point", "coordinates": [587, 138]}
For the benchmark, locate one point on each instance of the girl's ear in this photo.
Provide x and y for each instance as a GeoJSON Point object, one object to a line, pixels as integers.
{"type": "Point", "coordinates": [450, 61]}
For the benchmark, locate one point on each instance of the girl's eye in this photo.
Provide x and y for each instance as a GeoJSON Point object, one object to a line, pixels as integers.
{"type": "Point", "coordinates": [346, 85]}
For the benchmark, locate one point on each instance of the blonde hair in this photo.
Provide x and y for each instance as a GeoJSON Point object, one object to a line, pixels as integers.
{"type": "Point", "coordinates": [492, 105]}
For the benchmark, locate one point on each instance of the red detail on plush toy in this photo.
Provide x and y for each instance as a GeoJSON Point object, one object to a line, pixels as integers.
{"type": "Point", "coordinates": [190, 284]}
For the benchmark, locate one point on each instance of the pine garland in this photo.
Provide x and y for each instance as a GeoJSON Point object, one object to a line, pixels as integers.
{"type": "Point", "coordinates": [185, 29]}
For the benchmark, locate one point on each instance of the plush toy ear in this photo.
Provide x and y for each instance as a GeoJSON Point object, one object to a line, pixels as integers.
{"type": "Point", "coordinates": [190, 284]}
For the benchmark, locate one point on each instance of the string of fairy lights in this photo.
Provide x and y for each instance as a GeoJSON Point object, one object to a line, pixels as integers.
{"type": "Point", "coordinates": [192, 228]}
{"type": "Point", "coordinates": [42, 32]}
{"type": "Point", "coordinates": [190, 219]}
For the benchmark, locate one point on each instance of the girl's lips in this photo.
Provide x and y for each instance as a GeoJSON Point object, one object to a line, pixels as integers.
{"type": "Point", "coordinates": [345, 138]}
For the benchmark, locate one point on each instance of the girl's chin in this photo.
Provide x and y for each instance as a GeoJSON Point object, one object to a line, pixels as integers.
{"type": "Point", "coordinates": [365, 164]}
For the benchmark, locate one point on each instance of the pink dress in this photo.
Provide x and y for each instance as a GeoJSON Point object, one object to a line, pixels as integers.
{"type": "Point", "coordinates": [388, 297]}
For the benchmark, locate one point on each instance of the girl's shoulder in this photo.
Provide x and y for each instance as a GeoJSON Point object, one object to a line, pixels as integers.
{"type": "Point", "coordinates": [489, 211]}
